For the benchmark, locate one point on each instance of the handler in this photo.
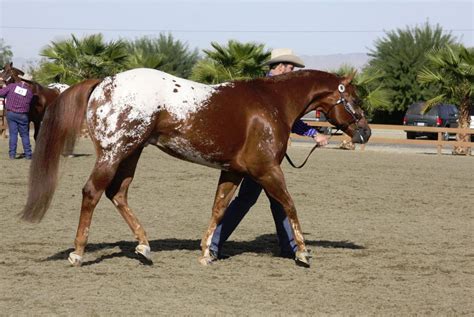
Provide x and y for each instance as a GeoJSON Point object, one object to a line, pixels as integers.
{"type": "Point", "coordinates": [282, 61]}
{"type": "Point", "coordinates": [18, 100]}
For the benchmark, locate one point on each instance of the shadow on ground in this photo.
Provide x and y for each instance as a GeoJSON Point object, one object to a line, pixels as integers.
{"type": "Point", "coordinates": [263, 244]}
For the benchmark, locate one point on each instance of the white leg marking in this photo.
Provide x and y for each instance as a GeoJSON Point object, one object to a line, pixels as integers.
{"type": "Point", "coordinates": [143, 250]}
{"type": "Point", "coordinates": [75, 259]}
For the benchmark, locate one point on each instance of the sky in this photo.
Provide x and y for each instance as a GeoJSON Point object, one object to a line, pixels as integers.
{"type": "Point", "coordinates": [308, 27]}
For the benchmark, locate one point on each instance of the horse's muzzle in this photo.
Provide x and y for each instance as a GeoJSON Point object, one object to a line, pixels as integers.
{"type": "Point", "coordinates": [362, 135]}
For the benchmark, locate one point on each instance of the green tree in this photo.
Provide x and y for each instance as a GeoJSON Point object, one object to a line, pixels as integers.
{"type": "Point", "coordinates": [74, 60]}
{"type": "Point", "coordinates": [451, 69]}
{"type": "Point", "coordinates": [234, 61]}
{"type": "Point", "coordinates": [399, 57]}
{"type": "Point", "coordinates": [163, 53]}
{"type": "Point", "coordinates": [5, 53]}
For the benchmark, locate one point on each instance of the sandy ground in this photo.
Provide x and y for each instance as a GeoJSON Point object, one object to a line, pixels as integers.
{"type": "Point", "coordinates": [391, 234]}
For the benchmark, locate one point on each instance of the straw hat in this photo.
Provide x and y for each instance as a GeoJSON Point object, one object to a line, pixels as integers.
{"type": "Point", "coordinates": [284, 55]}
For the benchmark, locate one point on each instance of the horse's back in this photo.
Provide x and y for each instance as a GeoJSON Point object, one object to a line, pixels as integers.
{"type": "Point", "coordinates": [208, 125]}
{"type": "Point", "coordinates": [147, 91]}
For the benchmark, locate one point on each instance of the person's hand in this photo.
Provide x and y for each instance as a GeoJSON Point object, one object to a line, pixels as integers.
{"type": "Point", "coordinates": [321, 139]}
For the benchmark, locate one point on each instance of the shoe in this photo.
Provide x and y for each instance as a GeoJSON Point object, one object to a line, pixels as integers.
{"type": "Point", "coordinates": [12, 157]}
{"type": "Point", "coordinates": [28, 158]}
{"type": "Point", "coordinates": [287, 254]}
{"type": "Point", "coordinates": [214, 254]}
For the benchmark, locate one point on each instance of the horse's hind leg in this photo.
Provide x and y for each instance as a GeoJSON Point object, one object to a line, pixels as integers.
{"type": "Point", "coordinates": [101, 176]}
{"type": "Point", "coordinates": [273, 181]}
{"type": "Point", "coordinates": [228, 183]}
{"type": "Point", "coordinates": [117, 192]}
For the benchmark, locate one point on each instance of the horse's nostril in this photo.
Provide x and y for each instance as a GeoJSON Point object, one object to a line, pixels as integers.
{"type": "Point", "coordinates": [368, 133]}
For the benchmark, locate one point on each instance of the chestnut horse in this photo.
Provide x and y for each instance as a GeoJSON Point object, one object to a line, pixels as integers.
{"type": "Point", "coordinates": [241, 128]}
{"type": "Point", "coordinates": [43, 96]}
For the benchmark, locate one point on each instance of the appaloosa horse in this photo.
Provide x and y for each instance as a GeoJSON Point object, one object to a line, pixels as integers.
{"type": "Point", "coordinates": [43, 96]}
{"type": "Point", "coordinates": [241, 128]}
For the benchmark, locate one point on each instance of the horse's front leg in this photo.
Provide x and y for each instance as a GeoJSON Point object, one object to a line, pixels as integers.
{"type": "Point", "coordinates": [228, 182]}
{"type": "Point", "coordinates": [273, 181]}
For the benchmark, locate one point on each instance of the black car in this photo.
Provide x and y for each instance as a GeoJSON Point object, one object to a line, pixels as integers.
{"type": "Point", "coordinates": [440, 115]}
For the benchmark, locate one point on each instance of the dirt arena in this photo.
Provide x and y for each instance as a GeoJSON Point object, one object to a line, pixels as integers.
{"type": "Point", "coordinates": [391, 234]}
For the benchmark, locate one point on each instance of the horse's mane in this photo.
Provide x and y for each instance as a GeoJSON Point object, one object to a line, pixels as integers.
{"type": "Point", "coordinates": [313, 73]}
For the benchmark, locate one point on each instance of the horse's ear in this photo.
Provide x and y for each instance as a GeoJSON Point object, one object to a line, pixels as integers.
{"type": "Point", "coordinates": [349, 77]}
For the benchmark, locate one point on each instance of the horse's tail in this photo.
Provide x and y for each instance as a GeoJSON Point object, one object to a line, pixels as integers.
{"type": "Point", "coordinates": [61, 125]}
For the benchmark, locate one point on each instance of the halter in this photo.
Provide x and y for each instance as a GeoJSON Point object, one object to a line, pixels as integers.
{"type": "Point", "coordinates": [349, 109]}
{"type": "Point", "coordinates": [347, 106]}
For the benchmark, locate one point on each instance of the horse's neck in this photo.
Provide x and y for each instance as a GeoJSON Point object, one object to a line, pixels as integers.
{"type": "Point", "coordinates": [294, 94]}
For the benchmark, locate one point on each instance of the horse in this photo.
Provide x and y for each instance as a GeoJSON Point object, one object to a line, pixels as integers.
{"type": "Point", "coordinates": [43, 96]}
{"type": "Point", "coordinates": [239, 127]}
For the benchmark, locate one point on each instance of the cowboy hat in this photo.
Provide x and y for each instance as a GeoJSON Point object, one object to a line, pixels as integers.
{"type": "Point", "coordinates": [284, 55]}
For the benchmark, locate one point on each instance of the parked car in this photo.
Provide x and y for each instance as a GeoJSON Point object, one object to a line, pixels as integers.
{"type": "Point", "coordinates": [440, 115]}
{"type": "Point", "coordinates": [317, 116]}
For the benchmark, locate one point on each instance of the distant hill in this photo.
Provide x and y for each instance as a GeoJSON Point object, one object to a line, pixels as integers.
{"type": "Point", "coordinates": [333, 62]}
{"type": "Point", "coordinates": [321, 62]}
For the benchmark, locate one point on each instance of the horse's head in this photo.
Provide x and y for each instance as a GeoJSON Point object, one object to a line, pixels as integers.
{"type": "Point", "coordinates": [10, 74]}
{"type": "Point", "coordinates": [342, 109]}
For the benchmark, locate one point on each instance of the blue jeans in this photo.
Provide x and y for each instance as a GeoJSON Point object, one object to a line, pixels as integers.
{"type": "Point", "coordinates": [18, 123]}
{"type": "Point", "coordinates": [238, 208]}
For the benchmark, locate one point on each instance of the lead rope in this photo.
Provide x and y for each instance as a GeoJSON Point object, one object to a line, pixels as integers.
{"type": "Point", "coordinates": [304, 162]}
{"type": "Point", "coordinates": [341, 88]}
{"type": "Point", "coordinates": [309, 154]}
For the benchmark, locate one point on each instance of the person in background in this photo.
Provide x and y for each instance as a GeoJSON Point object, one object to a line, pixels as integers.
{"type": "Point", "coordinates": [282, 61]}
{"type": "Point", "coordinates": [18, 99]}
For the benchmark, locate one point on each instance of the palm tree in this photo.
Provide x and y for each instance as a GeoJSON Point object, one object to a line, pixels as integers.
{"type": "Point", "coordinates": [451, 68]}
{"type": "Point", "coordinates": [74, 60]}
{"type": "Point", "coordinates": [400, 54]}
{"type": "Point", "coordinates": [234, 61]}
{"type": "Point", "coordinates": [163, 53]}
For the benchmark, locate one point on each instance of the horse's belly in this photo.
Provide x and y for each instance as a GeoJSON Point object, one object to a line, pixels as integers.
{"type": "Point", "coordinates": [184, 149]}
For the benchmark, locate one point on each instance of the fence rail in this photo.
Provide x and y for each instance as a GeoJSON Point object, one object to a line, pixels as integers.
{"type": "Point", "coordinates": [439, 143]}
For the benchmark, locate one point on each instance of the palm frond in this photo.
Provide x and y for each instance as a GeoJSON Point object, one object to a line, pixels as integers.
{"type": "Point", "coordinates": [433, 101]}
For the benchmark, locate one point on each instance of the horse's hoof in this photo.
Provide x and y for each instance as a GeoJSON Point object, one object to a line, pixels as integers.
{"type": "Point", "coordinates": [206, 260]}
{"type": "Point", "coordinates": [303, 258]}
{"type": "Point", "coordinates": [75, 259]}
{"type": "Point", "coordinates": [144, 250]}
